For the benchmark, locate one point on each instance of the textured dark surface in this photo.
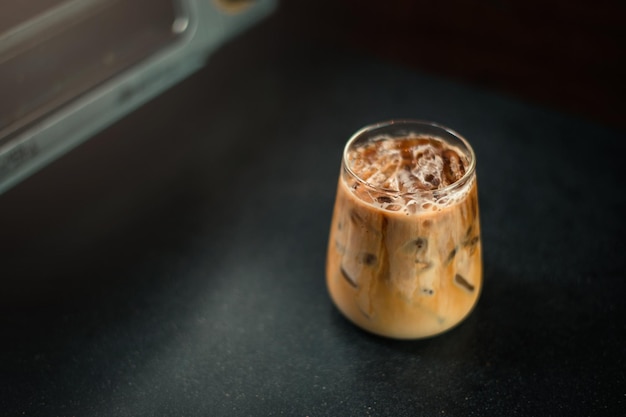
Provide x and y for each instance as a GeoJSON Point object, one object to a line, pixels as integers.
{"type": "Point", "coordinates": [174, 265]}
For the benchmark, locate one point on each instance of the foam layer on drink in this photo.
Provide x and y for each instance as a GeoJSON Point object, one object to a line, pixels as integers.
{"type": "Point", "coordinates": [410, 174]}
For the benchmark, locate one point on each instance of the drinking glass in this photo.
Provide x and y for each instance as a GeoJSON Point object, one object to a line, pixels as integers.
{"type": "Point", "coordinates": [404, 254]}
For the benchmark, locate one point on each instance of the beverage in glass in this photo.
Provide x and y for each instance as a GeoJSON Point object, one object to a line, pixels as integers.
{"type": "Point", "coordinates": [404, 254]}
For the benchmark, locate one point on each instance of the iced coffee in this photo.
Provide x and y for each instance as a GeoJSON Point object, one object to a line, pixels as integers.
{"type": "Point", "coordinates": [404, 254]}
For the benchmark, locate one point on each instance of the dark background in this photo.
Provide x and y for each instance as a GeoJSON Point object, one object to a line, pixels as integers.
{"type": "Point", "coordinates": [174, 264]}
{"type": "Point", "coordinates": [567, 55]}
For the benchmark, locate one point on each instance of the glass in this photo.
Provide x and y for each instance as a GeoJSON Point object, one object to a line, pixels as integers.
{"type": "Point", "coordinates": [404, 254]}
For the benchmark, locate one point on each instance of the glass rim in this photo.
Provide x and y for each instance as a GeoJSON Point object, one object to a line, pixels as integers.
{"type": "Point", "coordinates": [469, 173]}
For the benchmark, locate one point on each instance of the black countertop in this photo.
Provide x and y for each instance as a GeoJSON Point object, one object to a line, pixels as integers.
{"type": "Point", "coordinates": [174, 264]}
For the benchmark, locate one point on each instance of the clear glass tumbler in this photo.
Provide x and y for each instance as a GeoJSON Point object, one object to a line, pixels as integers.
{"type": "Point", "coordinates": [404, 254]}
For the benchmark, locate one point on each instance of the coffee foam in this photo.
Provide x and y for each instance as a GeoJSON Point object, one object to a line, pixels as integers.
{"type": "Point", "coordinates": [412, 174]}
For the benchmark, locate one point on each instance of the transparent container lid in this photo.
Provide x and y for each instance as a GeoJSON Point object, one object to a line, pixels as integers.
{"type": "Point", "coordinates": [53, 51]}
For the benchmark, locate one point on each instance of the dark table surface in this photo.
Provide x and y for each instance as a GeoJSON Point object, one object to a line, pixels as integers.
{"type": "Point", "coordinates": [174, 264]}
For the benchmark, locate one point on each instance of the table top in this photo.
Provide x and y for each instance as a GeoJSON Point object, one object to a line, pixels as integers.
{"type": "Point", "coordinates": [174, 264]}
